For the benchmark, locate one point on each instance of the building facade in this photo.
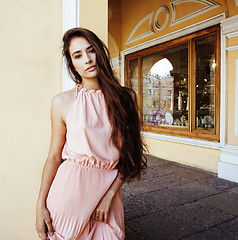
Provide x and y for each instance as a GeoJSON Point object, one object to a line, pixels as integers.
{"type": "Point", "coordinates": [181, 59]}
{"type": "Point", "coordinates": [180, 56]}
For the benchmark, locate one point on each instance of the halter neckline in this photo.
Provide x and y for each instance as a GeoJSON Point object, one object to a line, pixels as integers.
{"type": "Point", "coordinates": [79, 86]}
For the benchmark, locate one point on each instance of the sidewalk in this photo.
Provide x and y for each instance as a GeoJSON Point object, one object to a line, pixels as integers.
{"type": "Point", "coordinates": [177, 202]}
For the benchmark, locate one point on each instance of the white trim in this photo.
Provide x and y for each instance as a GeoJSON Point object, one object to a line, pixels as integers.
{"type": "Point", "coordinates": [115, 62]}
{"type": "Point", "coordinates": [166, 10]}
{"type": "Point", "coordinates": [228, 165]}
{"type": "Point", "coordinates": [228, 171]}
{"type": "Point", "coordinates": [230, 25]}
{"type": "Point", "coordinates": [231, 48]}
{"type": "Point", "coordinates": [209, 6]}
{"type": "Point", "coordinates": [223, 91]}
{"type": "Point", "coordinates": [237, 3]}
{"type": "Point", "coordinates": [151, 30]}
{"type": "Point", "coordinates": [236, 100]}
{"type": "Point", "coordinates": [233, 34]}
{"type": "Point", "coordinates": [188, 141]}
{"type": "Point", "coordinates": [70, 20]}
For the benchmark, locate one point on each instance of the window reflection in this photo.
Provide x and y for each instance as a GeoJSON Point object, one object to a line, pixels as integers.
{"type": "Point", "coordinates": [165, 87]}
{"type": "Point", "coordinates": [205, 83]}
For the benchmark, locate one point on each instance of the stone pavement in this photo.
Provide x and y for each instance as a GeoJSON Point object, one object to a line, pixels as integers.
{"type": "Point", "coordinates": [177, 202]}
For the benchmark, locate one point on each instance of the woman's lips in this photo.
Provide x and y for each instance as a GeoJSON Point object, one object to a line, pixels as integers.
{"type": "Point", "coordinates": [90, 69]}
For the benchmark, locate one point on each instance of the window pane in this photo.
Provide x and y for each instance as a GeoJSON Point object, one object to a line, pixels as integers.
{"type": "Point", "coordinates": [205, 79]}
{"type": "Point", "coordinates": [165, 87]}
{"type": "Point", "coordinates": [133, 75]}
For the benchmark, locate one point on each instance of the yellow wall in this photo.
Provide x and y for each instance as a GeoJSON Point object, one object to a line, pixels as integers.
{"type": "Point", "coordinates": [231, 75]}
{"type": "Point", "coordinates": [133, 11]}
{"type": "Point", "coordinates": [199, 157]}
{"type": "Point", "coordinates": [114, 27]}
{"type": "Point", "coordinates": [232, 8]}
{"type": "Point", "coordinates": [30, 75]}
{"type": "Point", "coordinates": [94, 16]}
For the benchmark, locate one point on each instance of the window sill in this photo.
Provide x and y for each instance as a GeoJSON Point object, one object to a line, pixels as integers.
{"type": "Point", "coordinates": [184, 140]}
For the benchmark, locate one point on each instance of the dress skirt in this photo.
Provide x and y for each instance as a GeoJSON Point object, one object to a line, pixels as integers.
{"type": "Point", "coordinates": [73, 197]}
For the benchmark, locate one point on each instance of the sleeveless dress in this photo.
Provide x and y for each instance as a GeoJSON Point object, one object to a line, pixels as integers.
{"type": "Point", "coordinates": [88, 170]}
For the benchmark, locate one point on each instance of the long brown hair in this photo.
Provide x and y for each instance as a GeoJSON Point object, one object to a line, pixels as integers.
{"type": "Point", "coordinates": [121, 102]}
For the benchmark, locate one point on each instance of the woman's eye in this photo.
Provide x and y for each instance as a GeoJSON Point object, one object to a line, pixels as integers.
{"type": "Point", "coordinates": [78, 56]}
{"type": "Point", "coordinates": [92, 50]}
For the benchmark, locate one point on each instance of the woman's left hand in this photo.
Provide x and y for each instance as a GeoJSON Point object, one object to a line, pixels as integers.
{"type": "Point", "coordinates": [102, 210]}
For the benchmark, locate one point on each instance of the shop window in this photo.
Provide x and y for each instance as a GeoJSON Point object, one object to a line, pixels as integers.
{"type": "Point", "coordinates": [178, 85]}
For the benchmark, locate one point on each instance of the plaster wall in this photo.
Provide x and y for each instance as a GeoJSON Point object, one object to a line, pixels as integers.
{"type": "Point", "coordinates": [232, 71]}
{"type": "Point", "coordinates": [94, 16]}
{"type": "Point", "coordinates": [30, 75]}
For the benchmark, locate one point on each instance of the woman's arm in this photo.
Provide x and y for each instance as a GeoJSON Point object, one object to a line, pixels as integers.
{"type": "Point", "coordinates": [101, 212]}
{"type": "Point", "coordinates": [43, 221]}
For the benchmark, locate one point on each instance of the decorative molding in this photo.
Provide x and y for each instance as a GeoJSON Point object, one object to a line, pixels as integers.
{"type": "Point", "coordinates": [112, 40]}
{"type": "Point", "coordinates": [115, 62]}
{"type": "Point", "coordinates": [151, 30]}
{"type": "Point", "coordinates": [176, 34]}
{"type": "Point", "coordinates": [231, 48]}
{"type": "Point", "coordinates": [233, 34]}
{"type": "Point", "coordinates": [230, 26]}
{"type": "Point", "coordinates": [223, 93]}
{"type": "Point", "coordinates": [209, 5]}
{"type": "Point", "coordinates": [236, 100]}
{"type": "Point", "coordinates": [70, 20]}
{"type": "Point", "coordinates": [166, 10]}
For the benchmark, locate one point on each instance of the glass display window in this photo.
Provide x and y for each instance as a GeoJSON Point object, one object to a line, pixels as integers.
{"type": "Point", "coordinates": [178, 85]}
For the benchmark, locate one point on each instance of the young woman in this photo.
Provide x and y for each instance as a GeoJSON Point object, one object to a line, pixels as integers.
{"type": "Point", "coordinates": [95, 146]}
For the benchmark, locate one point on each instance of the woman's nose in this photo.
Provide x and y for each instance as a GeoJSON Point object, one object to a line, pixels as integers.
{"type": "Point", "coordinates": [87, 59]}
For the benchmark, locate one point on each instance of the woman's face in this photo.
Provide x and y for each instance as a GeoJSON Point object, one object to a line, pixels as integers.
{"type": "Point", "coordinates": [83, 57]}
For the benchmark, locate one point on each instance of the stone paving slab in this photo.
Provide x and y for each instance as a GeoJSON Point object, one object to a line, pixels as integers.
{"type": "Point", "coordinates": [153, 184]}
{"type": "Point", "coordinates": [159, 226]}
{"type": "Point", "coordinates": [224, 231]}
{"type": "Point", "coordinates": [151, 160]}
{"type": "Point", "coordinates": [198, 189]}
{"type": "Point", "coordinates": [218, 183]}
{"type": "Point", "coordinates": [160, 170]}
{"type": "Point", "coordinates": [165, 198]}
{"type": "Point", "coordinates": [198, 215]}
{"type": "Point", "coordinates": [233, 190]}
{"type": "Point", "coordinates": [227, 202]}
{"type": "Point", "coordinates": [178, 202]}
{"type": "Point", "coordinates": [191, 174]}
{"type": "Point", "coordinates": [135, 207]}
{"type": "Point", "coordinates": [134, 236]}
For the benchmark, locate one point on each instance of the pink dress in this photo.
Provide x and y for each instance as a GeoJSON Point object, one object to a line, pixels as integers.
{"type": "Point", "coordinates": [86, 174]}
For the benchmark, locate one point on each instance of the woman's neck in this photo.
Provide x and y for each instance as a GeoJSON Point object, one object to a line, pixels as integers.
{"type": "Point", "coordinates": [90, 84]}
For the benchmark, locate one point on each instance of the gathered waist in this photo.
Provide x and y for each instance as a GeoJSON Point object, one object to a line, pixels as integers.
{"type": "Point", "coordinates": [91, 163]}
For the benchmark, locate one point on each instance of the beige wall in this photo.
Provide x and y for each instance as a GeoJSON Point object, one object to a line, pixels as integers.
{"type": "Point", "coordinates": [30, 75]}
{"type": "Point", "coordinates": [199, 157]}
{"type": "Point", "coordinates": [94, 16]}
{"type": "Point", "coordinates": [231, 86]}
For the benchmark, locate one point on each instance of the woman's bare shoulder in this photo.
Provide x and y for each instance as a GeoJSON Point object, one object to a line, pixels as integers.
{"type": "Point", "coordinates": [64, 97]}
{"type": "Point", "coordinates": [63, 101]}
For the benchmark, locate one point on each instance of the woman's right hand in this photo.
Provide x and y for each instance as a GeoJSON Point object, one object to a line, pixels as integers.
{"type": "Point", "coordinates": [43, 223]}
